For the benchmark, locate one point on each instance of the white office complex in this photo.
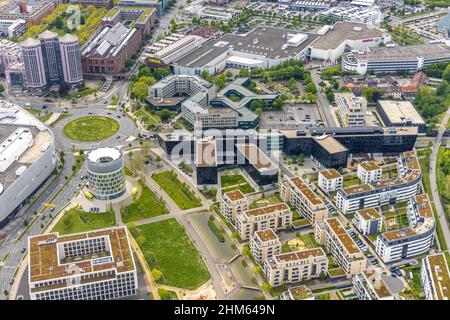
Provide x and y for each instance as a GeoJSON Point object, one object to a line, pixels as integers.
{"type": "Point", "coordinates": [412, 241]}
{"type": "Point", "coordinates": [233, 203]}
{"type": "Point", "coordinates": [27, 157]}
{"type": "Point", "coordinates": [369, 14]}
{"type": "Point", "coordinates": [369, 171]}
{"type": "Point", "coordinates": [264, 244]}
{"type": "Point", "coordinates": [332, 235]}
{"type": "Point", "coordinates": [351, 109]}
{"type": "Point", "coordinates": [295, 266]}
{"type": "Point", "coordinates": [368, 221]}
{"type": "Point", "coordinates": [408, 59]}
{"type": "Point", "coordinates": [369, 285]}
{"type": "Point", "coordinates": [12, 27]}
{"type": "Point", "coordinates": [389, 191]}
{"type": "Point", "coordinates": [97, 265]}
{"type": "Point", "coordinates": [105, 172]}
{"type": "Point", "coordinates": [330, 180]}
{"type": "Point", "coordinates": [435, 277]}
{"type": "Point", "coordinates": [303, 199]}
{"type": "Point", "coordinates": [276, 217]}
{"type": "Point", "coordinates": [10, 52]}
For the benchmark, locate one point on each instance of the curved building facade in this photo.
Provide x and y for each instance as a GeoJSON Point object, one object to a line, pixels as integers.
{"type": "Point", "coordinates": [71, 60]}
{"type": "Point", "coordinates": [105, 167]}
{"type": "Point", "coordinates": [27, 158]}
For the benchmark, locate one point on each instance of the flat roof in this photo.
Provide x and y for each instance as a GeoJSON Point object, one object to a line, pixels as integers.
{"type": "Point", "coordinates": [267, 42]}
{"type": "Point", "coordinates": [342, 235]}
{"type": "Point", "coordinates": [300, 255]}
{"type": "Point", "coordinates": [369, 214]}
{"type": "Point", "coordinates": [345, 30]}
{"type": "Point", "coordinates": [255, 156]}
{"type": "Point", "coordinates": [330, 144]}
{"type": "Point", "coordinates": [369, 165]}
{"type": "Point", "coordinates": [206, 153]}
{"type": "Point", "coordinates": [331, 174]}
{"type": "Point", "coordinates": [235, 195]}
{"type": "Point", "coordinates": [266, 235]}
{"type": "Point", "coordinates": [300, 292]}
{"type": "Point", "coordinates": [398, 53]}
{"type": "Point", "coordinates": [304, 189]}
{"type": "Point", "coordinates": [44, 255]}
{"type": "Point", "coordinates": [399, 234]}
{"type": "Point", "coordinates": [440, 275]}
{"type": "Point", "coordinates": [267, 209]}
{"type": "Point", "coordinates": [424, 206]}
{"type": "Point", "coordinates": [377, 283]}
{"type": "Point", "coordinates": [400, 111]}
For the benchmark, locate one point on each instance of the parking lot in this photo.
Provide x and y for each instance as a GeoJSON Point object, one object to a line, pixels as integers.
{"type": "Point", "coordinates": [293, 117]}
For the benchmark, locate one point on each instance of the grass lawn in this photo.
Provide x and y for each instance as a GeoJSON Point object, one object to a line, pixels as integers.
{"type": "Point", "coordinates": [245, 188]}
{"type": "Point", "coordinates": [146, 206]}
{"type": "Point", "coordinates": [61, 117]}
{"type": "Point", "coordinates": [166, 245]}
{"type": "Point", "coordinates": [231, 180]}
{"type": "Point", "coordinates": [308, 240]}
{"type": "Point", "coordinates": [128, 172]}
{"type": "Point", "coordinates": [415, 283]}
{"type": "Point", "coordinates": [180, 193]}
{"type": "Point", "coordinates": [75, 221]}
{"type": "Point", "coordinates": [443, 183]}
{"type": "Point", "coordinates": [272, 199]}
{"type": "Point", "coordinates": [145, 118]}
{"type": "Point", "coordinates": [91, 128]}
{"type": "Point", "coordinates": [45, 117]}
{"type": "Point", "coordinates": [350, 181]}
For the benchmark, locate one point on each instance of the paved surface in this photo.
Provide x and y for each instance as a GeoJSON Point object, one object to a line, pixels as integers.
{"type": "Point", "coordinates": [433, 182]}
{"type": "Point", "coordinates": [322, 101]}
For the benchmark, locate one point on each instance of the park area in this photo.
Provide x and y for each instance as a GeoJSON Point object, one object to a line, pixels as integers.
{"type": "Point", "coordinates": [76, 221]}
{"type": "Point", "coordinates": [233, 182]}
{"type": "Point", "coordinates": [167, 247]}
{"type": "Point", "coordinates": [147, 205]}
{"type": "Point", "coordinates": [178, 191]}
{"type": "Point", "coordinates": [91, 128]}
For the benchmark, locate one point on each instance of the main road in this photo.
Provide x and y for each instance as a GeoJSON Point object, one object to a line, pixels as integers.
{"type": "Point", "coordinates": [433, 182]}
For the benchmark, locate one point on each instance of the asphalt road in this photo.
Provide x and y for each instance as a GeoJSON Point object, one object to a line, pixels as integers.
{"type": "Point", "coordinates": [322, 101]}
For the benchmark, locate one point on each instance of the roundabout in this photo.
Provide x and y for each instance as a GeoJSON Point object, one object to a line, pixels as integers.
{"type": "Point", "coordinates": [91, 128]}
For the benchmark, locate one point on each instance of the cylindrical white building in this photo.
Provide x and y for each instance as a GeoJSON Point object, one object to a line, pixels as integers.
{"type": "Point", "coordinates": [71, 60]}
{"type": "Point", "coordinates": [106, 173]}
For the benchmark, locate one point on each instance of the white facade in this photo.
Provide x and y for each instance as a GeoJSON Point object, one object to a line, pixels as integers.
{"type": "Point", "coordinates": [330, 180]}
{"type": "Point", "coordinates": [264, 244]}
{"type": "Point", "coordinates": [435, 277]}
{"type": "Point", "coordinates": [368, 221]}
{"type": "Point", "coordinates": [351, 109]}
{"type": "Point", "coordinates": [369, 171]}
{"type": "Point", "coordinates": [233, 203]}
{"type": "Point", "coordinates": [71, 60]}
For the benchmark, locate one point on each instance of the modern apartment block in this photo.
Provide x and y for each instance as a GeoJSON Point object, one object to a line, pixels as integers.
{"type": "Point", "coordinates": [368, 221]}
{"type": "Point", "coordinates": [32, 11]}
{"type": "Point", "coordinates": [301, 197]}
{"type": "Point", "coordinates": [412, 241]}
{"type": "Point", "coordinates": [97, 265]}
{"type": "Point", "coordinates": [369, 285]}
{"type": "Point", "coordinates": [351, 109]}
{"type": "Point", "coordinates": [264, 244]}
{"type": "Point", "coordinates": [389, 191]}
{"type": "Point", "coordinates": [298, 293]}
{"type": "Point", "coordinates": [233, 203]}
{"type": "Point", "coordinates": [435, 277]}
{"type": "Point", "coordinates": [51, 60]}
{"type": "Point", "coordinates": [331, 234]}
{"type": "Point", "coordinates": [369, 171]}
{"type": "Point", "coordinates": [330, 180]}
{"type": "Point", "coordinates": [295, 266]}
{"type": "Point", "coordinates": [276, 216]}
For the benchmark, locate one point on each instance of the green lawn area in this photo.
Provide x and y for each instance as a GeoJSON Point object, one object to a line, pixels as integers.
{"type": "Point", "coordinates": [179, 192]}
{"type": "Point", "coordinates": [75, 221]}
{"type": "Point", "coordinates": [350, 181]}
{"type": "Point", "coordinates": [166, 246]}
{"type": "Point", "coordinates": [308, 240]}
{"type": "Point", "coordinates": [45, 117]}
{"type": "Point", "coordinates": [245, 188]}
{"type": "Point", "coordinates": [91, 128]}
{"type": "Point", "coordinates": [128, 172]}
{"type": "Point", "coordinates": [61, 117]}
{"type": "Point", "coordinates": [272, 199]}
{"type": "Point", "coordinates": [443, 183]}
{"type": "Point", "coordinates": [415, 283]}
{"type": "Point", "coordinates": [231, 180]}
{"type": "Point", "coordinates": [147, 205]}
{"type": "Point", "coordinates": [33, 111]}
{"type": "Point", "coordinates": [145, 118]}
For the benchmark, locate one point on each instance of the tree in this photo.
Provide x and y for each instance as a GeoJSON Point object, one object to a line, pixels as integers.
{"type": "Point", "coordinates": [2, 88]}
{"type": "Point", "coordinates": [59, 22]}
{"type": "Point", "coordinates": [246, 251]}
{"type": "Point", "coordinates": [140, 90]}
{"type": "Point", "coordinates": [165, 115]}
{"type": "Point", "coordinates": [244, 73]}
{"type": "Point", "coordinates": [311, 88]}
{"type": "Point", "coordinates": [229, 74]}
{"type": "Point", "coordinates": [162, 73]}
{"type": "Point", "coordinates": [157, 274]}
{"type": "Point", "coordinates": [147, 80]}
{"type": "Point", "coordinates": [446, 73]}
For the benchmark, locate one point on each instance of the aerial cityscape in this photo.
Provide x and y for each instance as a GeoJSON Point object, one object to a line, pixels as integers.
{"type": "Point", "coordinates": [224, 150]}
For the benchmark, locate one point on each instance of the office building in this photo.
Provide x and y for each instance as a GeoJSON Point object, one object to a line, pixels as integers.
{"type": "Point", "coordinates": [398, 59]}
{"type": "Point", "coordinates": [12, 27]}
{"type": "Point", "coordinates": [369, 285]}
{"type": "Point", "coordinates": [276, 217]}
{"type": "Point", "coordinates": [435, 277]}
{"type": "Point", "coordinates": [51, 60]}
{"type": "Point", "coordinates": [10, 52]}
{"type": "Point", "coordinates": [233, 203]}
{"type": "Point", "coordinates": [400, 114]}
{"type": "Point", "coordinates": [295, 266]}
{"type": "Point", "coordinates": [264, 244]}
{"type": "Point", "coordinates": [412, 241]}
{"type": "Point", "coordinates": [303, 199]}
{"type": "Point", "coordinates": [32, 11]}
{"type": "Point", "coordinates": [95, 3]}
{"type": "Point", "coordinates": [389, 191]}
{"type": "Point", "coordinates": [97, 265]}
{"type": "Point", "coordinates": [345, 34]}
{"type": "Point", "coordinates": [368, 221]}
{"type": "Point", "coordinates": [330, 180]}
{"type": "Point", "coordinates": [369, 171]}
{"type": "Point", "coordinates": [27, 158]}
{"type": "Point", "coordinates": [108, 51]}
{"type": "Point", "coordinates": [159, 5]}
{"type": "Point", "coordinates": [369, 14]}
{"type": "Point", "coordinates": [332, 235]}
{"type": "Point", "coordinates": [351, 109]}
{"type": "Point", "coordinates": [105, 172]}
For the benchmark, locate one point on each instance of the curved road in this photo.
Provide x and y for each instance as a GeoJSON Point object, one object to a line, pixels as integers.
{"type": "Point", "coordinates": [433, 183]}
